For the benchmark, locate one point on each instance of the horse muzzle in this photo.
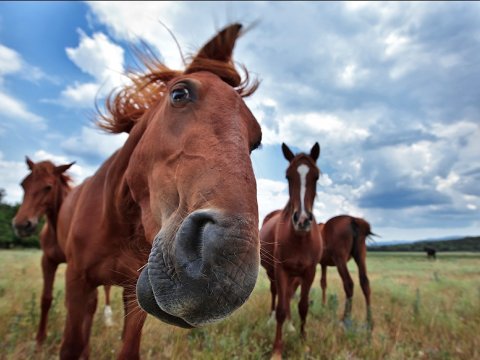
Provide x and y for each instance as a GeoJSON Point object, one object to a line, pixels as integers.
{"type": "Point", "coordinates": [24, 228]}
{"type": "Point", "coordinates": [204, 274]}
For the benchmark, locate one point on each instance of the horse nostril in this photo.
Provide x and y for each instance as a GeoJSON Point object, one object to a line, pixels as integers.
{"type": "Point", "coordinates": [191, 241]}
{"type": "Point", "coordinates": [310, 216]}
{"type": "Point", "coordinates": [295, 217]}
{"type": "Point", "coordinates": [28, 224]}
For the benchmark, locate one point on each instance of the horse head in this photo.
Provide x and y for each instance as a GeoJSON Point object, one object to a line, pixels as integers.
{"type": "Point", "coordinates": [41, 188]}
{"type": "Point", "coordinates": [191, 175]}
{"type": "Point", "coordinates": [302, 175]}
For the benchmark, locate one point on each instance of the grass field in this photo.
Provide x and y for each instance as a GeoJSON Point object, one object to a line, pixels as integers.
{"type": "Point", "coordinates": [422, 310]}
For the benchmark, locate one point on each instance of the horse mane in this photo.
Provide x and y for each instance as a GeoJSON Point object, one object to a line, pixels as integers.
{"type": "Point", "coordinates": [125, 106]}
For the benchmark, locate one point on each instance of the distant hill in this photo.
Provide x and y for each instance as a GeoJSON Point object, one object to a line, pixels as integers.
{"type": "Point", "coordinates": [470, 243]}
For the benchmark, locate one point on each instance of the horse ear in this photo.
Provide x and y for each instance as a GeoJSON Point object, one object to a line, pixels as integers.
{"type": "Point", "coordinates": [29, 162]}
{"type": "Point", "coordinates": [62, 168]}
{"type": "Point", "coordinates": [287, 152]}
{"type": "Point", "coordinates": [219, 48]}
{"type": "Point", "coordinates": [315, 152]}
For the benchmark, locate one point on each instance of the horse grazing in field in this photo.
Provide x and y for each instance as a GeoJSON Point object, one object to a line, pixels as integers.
{"type": "Point", "coordinates": [172, 216]}
{"type": "Point", "coordinates": [431, 252]}
{"type": "Point", "coordinates": [345, 237]}
{"type": "Point", "coordinates": [45, 189]}
{"type": "Point", "coordinates": [291, 244]}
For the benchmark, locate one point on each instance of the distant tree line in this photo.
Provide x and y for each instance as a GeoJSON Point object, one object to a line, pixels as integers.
{"type": "Point", "coordinates": [471, 243]}
{"type": "Point", "coordinates": [8, 239]}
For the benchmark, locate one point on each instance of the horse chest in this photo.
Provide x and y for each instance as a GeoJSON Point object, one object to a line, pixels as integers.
{"type": "Point", "coordinates": [295, 266]}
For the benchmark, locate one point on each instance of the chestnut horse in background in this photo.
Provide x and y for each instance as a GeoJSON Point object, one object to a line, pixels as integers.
{"type": "Point", "coordinates": [291, 244]}
{"type": "Point", "coordinates": [45, 189]}
{"type": "Point", "coordinates": [345, 237]}
{"type": "Point", "coordinates": [172, 216]}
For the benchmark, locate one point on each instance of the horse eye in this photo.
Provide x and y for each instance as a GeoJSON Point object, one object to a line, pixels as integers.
{"type": "Point", "coordinates": [180, 96]}
{"type": "Point", "coordinates": [48, 188]}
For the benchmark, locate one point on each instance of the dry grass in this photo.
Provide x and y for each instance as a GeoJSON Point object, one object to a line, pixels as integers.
{"type": "Point", "coordinates": [422, 310]}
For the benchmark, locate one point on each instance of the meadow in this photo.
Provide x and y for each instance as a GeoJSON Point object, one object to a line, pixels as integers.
{"type": "Point", "coordinates": [422, 309]}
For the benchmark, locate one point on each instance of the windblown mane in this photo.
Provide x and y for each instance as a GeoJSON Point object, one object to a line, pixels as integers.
{"type": "Point", "coordinates": [127, 105]}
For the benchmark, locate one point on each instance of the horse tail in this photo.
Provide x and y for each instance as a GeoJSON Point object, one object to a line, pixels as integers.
{"type": "Point", "coordinates": [355, 227]}
{"type": "Point", "coordinates": [361, 230]}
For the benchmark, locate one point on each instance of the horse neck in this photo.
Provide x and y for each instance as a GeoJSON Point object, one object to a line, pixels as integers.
{"type": "Point", "coordinates": [119, 198]}
{"type": "Point", "coordinates": [61, 191]}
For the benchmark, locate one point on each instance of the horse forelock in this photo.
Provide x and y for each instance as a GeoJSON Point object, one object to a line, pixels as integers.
{"type": "Point", "coordinates": [48, 168]}
{"type": "Point", "coordinates": [126, 105]}
{"type": "Point", "coordinates": [302, 156]}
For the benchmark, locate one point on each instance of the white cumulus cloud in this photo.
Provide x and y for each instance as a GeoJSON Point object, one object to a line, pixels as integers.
{"type": "Point", "coordinates": [93, 142]}
{"type": "Point", "coordinates": [100, 58]}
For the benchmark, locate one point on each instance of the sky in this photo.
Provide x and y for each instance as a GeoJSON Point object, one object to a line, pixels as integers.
{"type": "Point", "coordinates": [390, 90]}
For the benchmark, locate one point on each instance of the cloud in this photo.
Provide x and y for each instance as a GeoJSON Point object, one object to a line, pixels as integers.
{"type": "Point", "coordinates": [11, 173]}
{"type": "Point", "coordinates": [12, 64]}
{"type": "Point", "coordinates": [402, 197]}
{"type": "Point", "coordinates": [142, 21]}
{"type": "Point", "coordinates": [271, 195]}
{"type": "Point", "coordinates": [81, 95]}
{"type": "Point", "coordinates": [10, 61]}
{"type": "Point", "coordinates": [97, 56]}
{"type": "Point", "coordinates": [100, 58]}
{"type": "Point", "coordinates": [309, 127]}
{"type": "Point", "coordinates": [92, 144]}
{"type": "Point", "coordinates": [14, 109]}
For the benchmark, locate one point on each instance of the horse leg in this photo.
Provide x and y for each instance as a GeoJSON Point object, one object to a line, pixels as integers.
{"type": "Point", "coordinates": [348, 287]}
{"type": "Point", "coordinates": [273, 290]}
{"type": "Point", "coordinates": [281, 312]}
{"type": "Point", "coordinates": [323, 284]}
{"type": "Point", "coordinates": [88, 321]}
{"type": "Point", "coordinates": [79, 295]}
{"type": "Point", "coordinates": [125, 311]}
{"type": "Point", "coordinates": [365, 284]}
{"type": "Point", "coordinates": [49, 269]}
{"type": "Point", "coordinates": [107, 312]}
{"type": "Point", "coordinates": [291, 291]}
{"type": "Point", "coordinates": [132, 327]}
{"type": "Point", "coordinates": [307, 281]}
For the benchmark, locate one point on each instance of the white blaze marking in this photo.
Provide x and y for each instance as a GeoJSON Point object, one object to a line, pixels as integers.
{"type": "Point", "coordinates": [303, 171]}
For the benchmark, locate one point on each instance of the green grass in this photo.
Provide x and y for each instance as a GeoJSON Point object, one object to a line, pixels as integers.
{"type": "Point", "coordinates": [422, 310]}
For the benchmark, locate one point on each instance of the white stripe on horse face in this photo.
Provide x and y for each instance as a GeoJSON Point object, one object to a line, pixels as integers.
{"type": "Point", "coordinates": [303, 171]}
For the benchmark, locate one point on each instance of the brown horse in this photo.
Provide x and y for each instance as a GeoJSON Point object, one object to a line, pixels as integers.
{"type": "Point", "coordinates": [177, 201]}
{"type": "Point", "coordinates": [431, 252]}
{"type": "Point", "coordinates": [345, 237]}
{"type": "Point", "coordinates": [45, 189]}
{"type": "Point", "coordinates": [291, 244]}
